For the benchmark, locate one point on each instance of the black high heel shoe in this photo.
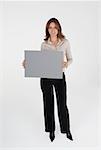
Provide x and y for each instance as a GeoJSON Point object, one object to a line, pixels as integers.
{"type": "Point", "coordinates": [69, 135]}
{"type": "Point", "coordinates": [52, 136]}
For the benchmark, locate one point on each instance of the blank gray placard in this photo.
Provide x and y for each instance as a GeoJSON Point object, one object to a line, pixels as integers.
{"type": "Point", "coordinates": [43, 64]}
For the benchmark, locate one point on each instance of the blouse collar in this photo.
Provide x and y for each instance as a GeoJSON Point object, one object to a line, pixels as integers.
{"type": "Point", "coordinates": [59, 41]}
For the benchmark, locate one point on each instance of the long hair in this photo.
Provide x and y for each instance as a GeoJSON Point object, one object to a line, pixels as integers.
{"type": "Point", "coordinates": [59, 35]}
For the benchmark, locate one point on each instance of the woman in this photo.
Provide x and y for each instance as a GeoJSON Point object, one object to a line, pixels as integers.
{"type": "Point", "coordinates": [55, 40]}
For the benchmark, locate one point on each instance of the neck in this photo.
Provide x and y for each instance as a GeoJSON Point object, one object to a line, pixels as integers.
{"type": "Point", "coordinates": [53, 39]}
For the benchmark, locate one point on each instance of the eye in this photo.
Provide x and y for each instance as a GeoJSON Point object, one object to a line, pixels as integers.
{"type": "Point", "coordinates": [50, 27]}
{"type": "Point", "coordinates": [56, 27]}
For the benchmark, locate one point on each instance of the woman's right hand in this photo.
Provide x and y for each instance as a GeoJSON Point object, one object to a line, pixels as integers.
{"type": "Point", "coordinates": [24, 63]}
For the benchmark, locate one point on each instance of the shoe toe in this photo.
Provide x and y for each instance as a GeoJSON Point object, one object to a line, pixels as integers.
{"type": "Point", "coordinates": [69, 136]}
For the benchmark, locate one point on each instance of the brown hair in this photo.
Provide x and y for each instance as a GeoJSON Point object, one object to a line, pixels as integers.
{"type": "Point", "coordinates": [59, 35]}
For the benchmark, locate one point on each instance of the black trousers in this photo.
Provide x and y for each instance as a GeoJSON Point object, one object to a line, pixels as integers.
{"type": "Point", "coordinates": [48, 103]}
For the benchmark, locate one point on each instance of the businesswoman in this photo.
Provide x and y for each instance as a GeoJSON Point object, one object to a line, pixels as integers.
{"type": "Point", "coordinates": [56, 41]}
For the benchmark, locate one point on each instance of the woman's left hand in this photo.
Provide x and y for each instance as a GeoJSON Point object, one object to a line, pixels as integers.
{"type": "Point", "coordinates": [65, 64]}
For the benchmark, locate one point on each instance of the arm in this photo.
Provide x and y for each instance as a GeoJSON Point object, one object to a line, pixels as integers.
{"type": "Point", "coordinates": [68, 53]}
{"type": "Point", "coordinates": [42, 46]}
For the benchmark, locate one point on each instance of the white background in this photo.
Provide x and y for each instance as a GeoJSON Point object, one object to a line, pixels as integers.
{"type": "Point", "coordinates": [21, 113]}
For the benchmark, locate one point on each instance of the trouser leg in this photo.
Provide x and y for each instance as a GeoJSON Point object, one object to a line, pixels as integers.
{"type": "Point", "coordinates": [63, 114]}
{"type": "Point", "coordinates": [48, 104]}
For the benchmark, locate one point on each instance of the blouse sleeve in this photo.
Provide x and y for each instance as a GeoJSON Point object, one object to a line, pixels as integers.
{"type": "Point", "coordinates": [42, 46]}
{"type": "Point", "coordinates": [68, 53]}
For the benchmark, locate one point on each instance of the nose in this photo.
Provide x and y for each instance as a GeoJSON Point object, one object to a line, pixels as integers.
{"type": "Point", "coordinates": [53, 30]}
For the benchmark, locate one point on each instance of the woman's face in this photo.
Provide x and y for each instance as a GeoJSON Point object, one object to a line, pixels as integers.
{"type": "Point", "coordinates": [53, 31]}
